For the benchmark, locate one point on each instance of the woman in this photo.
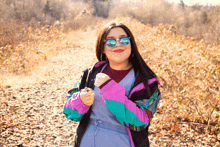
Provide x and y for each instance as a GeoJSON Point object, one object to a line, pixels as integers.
{"type": "Point", "coordinates": [116, 98]}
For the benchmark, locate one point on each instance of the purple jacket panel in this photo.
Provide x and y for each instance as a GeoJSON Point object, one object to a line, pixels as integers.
{"type": "Point", "coordinates": [75, 103]}
{"type": "Point", "coordinates": [116, 92]}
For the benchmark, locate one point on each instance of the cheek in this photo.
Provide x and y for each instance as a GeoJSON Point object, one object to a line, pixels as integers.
{"type": "Point", "coordinates": [129, 49]}
{"type": "Point", "coordinates": [107, 50]}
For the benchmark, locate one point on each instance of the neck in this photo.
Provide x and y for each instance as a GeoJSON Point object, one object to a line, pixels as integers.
{"type": "Point", "coordinates": [120, 66]}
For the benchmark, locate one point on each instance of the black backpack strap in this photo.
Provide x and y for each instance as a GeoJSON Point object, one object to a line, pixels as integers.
{"type": "Point", "coordinates": [92, 76]}
{"type": "Point", "coordinates": [87, 81]}
{"type": "Point", "coordinates": [89, 77]}
{"type": "Point", "coordinates": [83, 80]}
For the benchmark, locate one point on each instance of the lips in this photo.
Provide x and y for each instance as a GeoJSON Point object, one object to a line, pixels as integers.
{"type": "Point", "coordinates": [119, 50]}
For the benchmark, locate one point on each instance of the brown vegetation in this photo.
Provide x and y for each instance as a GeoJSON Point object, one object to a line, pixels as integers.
{"type": "Point", "coordinates": [190, 73]}
{"type": "Point", "coordinates": [184, 54]}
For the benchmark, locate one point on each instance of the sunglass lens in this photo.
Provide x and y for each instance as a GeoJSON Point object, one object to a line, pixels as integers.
{"type": "Point", "coordinates": [111, 42]}
{"type": "Point", "coordinates": [124, 40]}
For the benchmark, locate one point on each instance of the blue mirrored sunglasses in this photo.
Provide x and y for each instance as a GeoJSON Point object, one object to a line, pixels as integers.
{"type": "Point", "coordinates": [112, 42]}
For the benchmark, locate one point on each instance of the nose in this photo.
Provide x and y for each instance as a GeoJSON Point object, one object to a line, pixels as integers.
{"type": "Point", "coordinates": [117, 42]}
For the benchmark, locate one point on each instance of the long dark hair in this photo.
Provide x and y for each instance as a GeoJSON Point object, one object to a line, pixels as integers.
{"type": "Point", "coordinates": [140, 67]}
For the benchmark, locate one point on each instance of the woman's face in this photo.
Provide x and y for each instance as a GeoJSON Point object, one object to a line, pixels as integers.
{"type": "Point", "coordinates": [119, 53]}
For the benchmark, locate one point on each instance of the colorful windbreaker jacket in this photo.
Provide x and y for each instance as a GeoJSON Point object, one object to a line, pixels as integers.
{"type": "Point", "coordinates": [135, 112]}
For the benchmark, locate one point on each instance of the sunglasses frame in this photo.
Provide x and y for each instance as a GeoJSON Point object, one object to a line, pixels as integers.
{"type": "Point", "coordinates": [117, 40]}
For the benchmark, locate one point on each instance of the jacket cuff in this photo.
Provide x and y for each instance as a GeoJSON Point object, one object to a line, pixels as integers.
{"type": "Point", "coordinates": [82, 108]}
{"type": "Point", "coordinates": [76, 104]}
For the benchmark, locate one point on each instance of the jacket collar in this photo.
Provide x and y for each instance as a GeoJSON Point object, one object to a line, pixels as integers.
{"type": "Point", "coordinates": [97, 64]}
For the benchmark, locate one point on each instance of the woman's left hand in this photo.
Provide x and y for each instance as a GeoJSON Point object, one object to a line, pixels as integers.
{"type": "Point", "coordinates": [101, 78]}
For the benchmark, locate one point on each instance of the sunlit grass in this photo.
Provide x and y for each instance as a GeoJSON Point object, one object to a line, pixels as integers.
{"type": "Point", "coordinates": [187, 66]}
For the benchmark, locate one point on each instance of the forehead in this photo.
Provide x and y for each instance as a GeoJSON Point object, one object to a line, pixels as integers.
{"type": "Point", "coordinates": [116, 32]}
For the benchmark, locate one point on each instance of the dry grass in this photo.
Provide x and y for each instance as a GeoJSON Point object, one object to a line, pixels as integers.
{"type": "Point", "coordinates": [189, 72]}
{"type": "Point", "coordinates": [202, 22]}
{"type": "Point", "coordinates": [28, 55]}
{"type": "Point", "coordinates": [197, 21]}
{"type": "Point", "coordinates": [188, 67]}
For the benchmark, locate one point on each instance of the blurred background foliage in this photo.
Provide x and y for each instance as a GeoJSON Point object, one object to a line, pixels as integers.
{"type": "Point", "coordinates": [179, 42]}
{"type": "Point", "coordinates": [196, 20]}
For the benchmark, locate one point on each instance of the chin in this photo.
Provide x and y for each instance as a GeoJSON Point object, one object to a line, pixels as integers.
{"type": "Point", "coordinates": [118, 61]}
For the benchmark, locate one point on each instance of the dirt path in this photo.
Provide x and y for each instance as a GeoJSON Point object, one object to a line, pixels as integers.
{"type": "Point", "coordinates": [32, 115]}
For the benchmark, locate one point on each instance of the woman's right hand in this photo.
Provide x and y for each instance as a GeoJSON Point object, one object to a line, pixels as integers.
{"type": "Point", "coordinates": [87, 96]}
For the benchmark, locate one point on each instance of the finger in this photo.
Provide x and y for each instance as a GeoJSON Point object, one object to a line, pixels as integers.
{"type": "Point", "coordinates": [84, 90]}
{"type": "Point", "coordinates": [90, 98]}
{"type": "Point", "coordinates": [96, 79]}
{"type": "Point", "coordinates": [101, 75]}
{"type": "Point", "coordinates": [90, 93]}
{"type": "Point", "coordinates": [90, 102]}
{"type": "Point", "coordinates": [98, 75]}
{"type": "Point", "coordinates": [86, 97]}
{"type": "Point", "coordinates": [96, 84]}
{"type": "Point", "coordinates": [89, 89]}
